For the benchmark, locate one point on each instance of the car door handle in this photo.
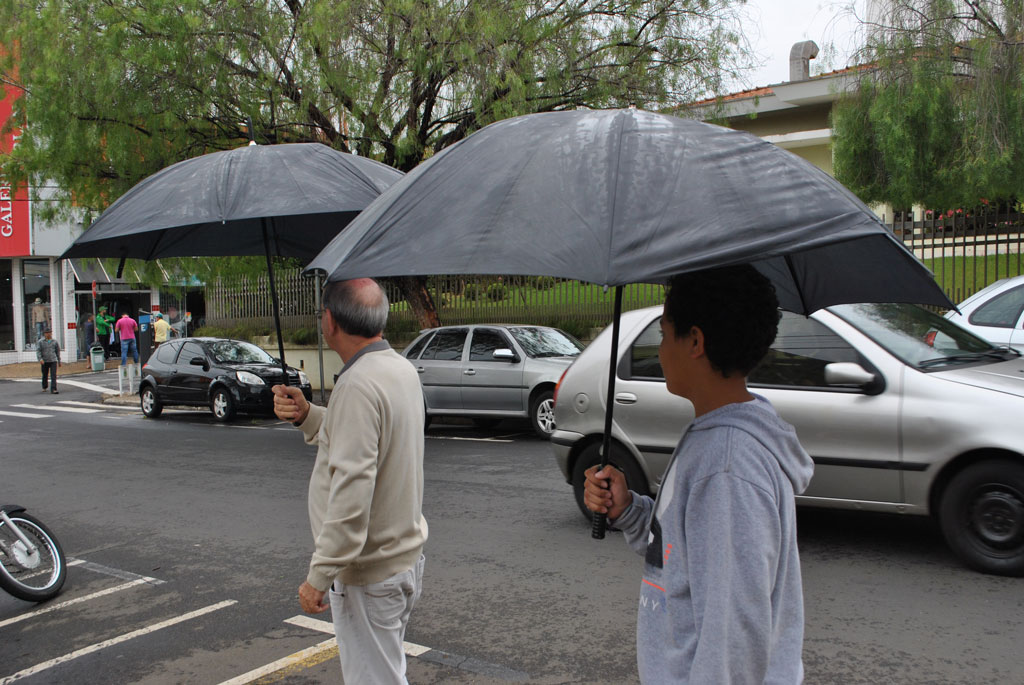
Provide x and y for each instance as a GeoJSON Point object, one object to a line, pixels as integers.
{"type": "Point", "coordinates": [625, 398]}
{"type": "Point", "coordinates": [420, 369]}
{"type": "Point", "coordinates": [470, 372]}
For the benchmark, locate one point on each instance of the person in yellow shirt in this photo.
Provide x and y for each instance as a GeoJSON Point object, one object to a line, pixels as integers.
{"type": "Point", "coordinates": [162, 330]}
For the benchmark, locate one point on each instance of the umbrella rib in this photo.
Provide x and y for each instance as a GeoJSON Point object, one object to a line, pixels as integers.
{"type": "Point", "coordinates": [796, 284]}
{"type": "Point", "coordinates": [615, 194]}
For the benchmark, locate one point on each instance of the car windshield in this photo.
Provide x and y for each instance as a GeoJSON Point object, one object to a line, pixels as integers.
{"type": "Point", "coordinates": [238, 352]}
{"type": "Point", "coordinates": [919, 337]}
{"type": "Point", "coordinates": [546, 342]}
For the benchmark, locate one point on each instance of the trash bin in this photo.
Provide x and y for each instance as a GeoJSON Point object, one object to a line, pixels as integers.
{"type": "Point", "coordinates": [96, 357]}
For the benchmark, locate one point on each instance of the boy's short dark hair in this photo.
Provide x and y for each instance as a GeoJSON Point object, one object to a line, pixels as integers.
{"type": "Point", "coordinates": [736, 309]}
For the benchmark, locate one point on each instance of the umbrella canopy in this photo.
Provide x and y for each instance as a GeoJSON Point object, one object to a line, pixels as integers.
{"type": "Point", "coordinates": [286, 200]}
{"type": "Point", "coordinates": [620, 196]}
{"type": "Point", "coordinates": [217, 204]}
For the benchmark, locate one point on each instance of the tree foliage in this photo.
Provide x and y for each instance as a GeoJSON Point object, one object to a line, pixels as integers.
{"type": "Point", "coordinates": [938, 114]}
{"type": "Point", "coordinates": [117, 89]}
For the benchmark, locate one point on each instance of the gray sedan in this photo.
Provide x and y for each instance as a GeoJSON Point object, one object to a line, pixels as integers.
{"type": "Point", "coordinates": [902, 410]}
{"type": "Point", "coordinates": [492, 371]}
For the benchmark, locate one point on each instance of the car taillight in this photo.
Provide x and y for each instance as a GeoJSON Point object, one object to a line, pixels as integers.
{"type": "Point", "coordinates": [554, 397]}
{"type": "Point", "coordinates": [929, 339]}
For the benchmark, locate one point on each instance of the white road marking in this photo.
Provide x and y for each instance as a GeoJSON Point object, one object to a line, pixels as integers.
{"type": "Point", "coordinates": [311, 623]}
{"type": "Point", "coordinates": [99, 405]}
{"type": "Point", "coordinates": [25, 415]}
{"type": "Point", "coordinates": [69, 410]}
{"type": "Point", "coordinates": [38, 668]}
{"type": "Point", "coordinates": [77, 384]}
{"type": "Point", "coordinates": [322, 626]}
{"type": "Point", "coordinates": [444, 437]}
{"type": "Point", "coordinates": [283, 663]}
{"type": "Point", "coordinates": [70, 602]}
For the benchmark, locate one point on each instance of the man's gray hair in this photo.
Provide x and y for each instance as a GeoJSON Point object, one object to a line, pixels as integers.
{"type": "Point", "coordinates": [359, 307]}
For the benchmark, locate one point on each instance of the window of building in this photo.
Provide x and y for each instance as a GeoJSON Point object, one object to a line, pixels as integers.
{"type": "Point", "coordinates": [6, 305]}
{"type": "Point", "coordinates": [35, 289]}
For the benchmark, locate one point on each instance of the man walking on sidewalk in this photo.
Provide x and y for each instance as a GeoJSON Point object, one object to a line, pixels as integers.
{"type": "Point", "coordinates": [48, 354]}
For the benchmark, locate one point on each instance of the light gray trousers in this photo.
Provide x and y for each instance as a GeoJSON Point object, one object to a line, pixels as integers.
{"type": "Point", "coordinates": [370, 622]}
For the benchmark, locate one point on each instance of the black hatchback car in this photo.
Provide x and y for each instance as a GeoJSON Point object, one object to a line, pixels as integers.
{"type": "Point", "coordinates": [226, 375]}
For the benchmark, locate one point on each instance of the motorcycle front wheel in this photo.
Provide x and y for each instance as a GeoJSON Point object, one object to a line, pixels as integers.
{"type": "Point", "coordinates": [32, 576]}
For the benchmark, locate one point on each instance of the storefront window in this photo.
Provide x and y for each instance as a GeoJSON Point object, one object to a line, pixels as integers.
{"type": "Point", "coordinates": [35, 287]}
{"type": "Point", "coordinates": [6, 306]}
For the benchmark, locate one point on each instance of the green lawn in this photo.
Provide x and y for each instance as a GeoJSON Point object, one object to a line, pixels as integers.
{"type": "Point", "coordinates": [960, 277]}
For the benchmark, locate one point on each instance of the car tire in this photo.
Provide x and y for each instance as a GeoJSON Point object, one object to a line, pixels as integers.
{"type": "Point", "coordinates": [982, 516]}
{"type": "Point", "coordinates": [222, 405]}
{"type": "Point", "coordinates": [151, 405]}
{"type": "Point", "coordinates": [542, 413]}
{"type": "Point", "coordinates": [622, 460]}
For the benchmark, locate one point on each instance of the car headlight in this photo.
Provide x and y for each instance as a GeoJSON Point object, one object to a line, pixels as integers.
{"type": "Point", "coordinates": [249, 378]}
{"type": "Point", "coordinates": [303, 378]}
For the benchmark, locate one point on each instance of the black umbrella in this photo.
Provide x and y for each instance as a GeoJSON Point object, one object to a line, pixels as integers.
{"type": "Point", "coordinates": [620, 196]}
{"type": "Point", "coordinates": [285, 200]}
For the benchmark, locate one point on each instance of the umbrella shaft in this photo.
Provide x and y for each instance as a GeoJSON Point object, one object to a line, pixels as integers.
{"type": "Point", "coordinates": [600, 521]}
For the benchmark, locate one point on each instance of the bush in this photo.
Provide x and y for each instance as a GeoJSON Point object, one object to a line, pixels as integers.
{"type": "Point", "coordinates": [544, 282]}
{"type": "Point", "coordinates": [497, 292]}
{"type": "Point", "coordinates": [471, 292]}
{"type": "Point", "coordinates": [303, 336]}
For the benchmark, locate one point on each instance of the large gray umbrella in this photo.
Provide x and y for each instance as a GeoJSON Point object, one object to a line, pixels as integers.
{"type": "Point", "coordinates": [620, 196]}
{"type": "Point", "coordinates": [286, 200]}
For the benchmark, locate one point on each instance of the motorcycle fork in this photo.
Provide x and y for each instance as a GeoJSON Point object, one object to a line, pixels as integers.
{"type": "Point", "coordinates": [6, 520]}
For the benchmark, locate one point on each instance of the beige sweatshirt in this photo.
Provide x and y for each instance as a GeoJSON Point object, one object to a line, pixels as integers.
{"type": "Point", "coordinates": [366, 490]}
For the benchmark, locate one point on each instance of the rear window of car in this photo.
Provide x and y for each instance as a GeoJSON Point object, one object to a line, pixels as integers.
{"type": "Point", "coordinates": [643, 353]}
{"type": "Point", "coordinates": [446, 345]}
{"type": "Point", "coordinates": [1002, 311]}
{"type": "Point", "coordinates": [165, 354]}
{"type": "Point", "coordinates": [414, 351]}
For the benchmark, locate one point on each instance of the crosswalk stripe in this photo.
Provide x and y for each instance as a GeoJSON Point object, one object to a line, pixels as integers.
{"type": "Point", "coordinates": [77, 384]}
{"type": "Point", "coordinates": [322, 626]}
{"type": "Point", "coordinates": [38, 668]}
{"type": "Point", "coordinates": [50, 407]}
{"type": "Point", "coordinates": [25, 415]}
{"type": "Point", "coordinates": [307, 658]}
{"type": "Point", "coordinates": [70, 602]}
{"type": "Point", "coordinates": [99, 405]}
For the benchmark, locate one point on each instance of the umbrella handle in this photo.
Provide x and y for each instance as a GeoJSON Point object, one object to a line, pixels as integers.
{"type": "Point", "coordinates": [598, 525]}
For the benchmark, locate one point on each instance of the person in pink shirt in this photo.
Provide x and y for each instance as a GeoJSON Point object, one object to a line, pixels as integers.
{"type": "Point", "coordinates": [126, 328]}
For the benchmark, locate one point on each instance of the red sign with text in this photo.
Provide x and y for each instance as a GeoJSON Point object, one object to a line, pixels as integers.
{"type": "Point", "coordinates": [14, 207]}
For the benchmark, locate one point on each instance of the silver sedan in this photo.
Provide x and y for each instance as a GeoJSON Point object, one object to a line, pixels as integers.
{"type": "Point", "coordinates": [491, 371]}
{"type": "Point", "coordinates": [902, 410]}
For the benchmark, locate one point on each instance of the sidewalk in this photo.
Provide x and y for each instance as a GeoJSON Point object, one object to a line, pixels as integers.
{"type": "Point", "coordinates": [31, 369]}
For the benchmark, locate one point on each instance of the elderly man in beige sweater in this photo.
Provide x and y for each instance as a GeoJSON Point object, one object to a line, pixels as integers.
{"type": "Point", "coordinates": [366, 490]}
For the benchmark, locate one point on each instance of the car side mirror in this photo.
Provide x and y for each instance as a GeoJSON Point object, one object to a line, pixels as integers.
{"type": "Point", "coordinates": [505, 354]}
{"type": "Point", "coordinates": [849, 374]}
{"type": "Point", "coordinates": [197, 361]}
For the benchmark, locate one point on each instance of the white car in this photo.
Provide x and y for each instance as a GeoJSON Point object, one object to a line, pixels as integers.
{"type": "Point", "coordinates": [995, 313]}
{"type": "Point", "coordinates": [901, 410]}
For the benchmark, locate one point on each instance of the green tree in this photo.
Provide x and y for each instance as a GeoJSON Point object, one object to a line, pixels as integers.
{"type": "Point", "coordinates": [117, 89]}
{"type": "Point", "coordinates": [938, 114]}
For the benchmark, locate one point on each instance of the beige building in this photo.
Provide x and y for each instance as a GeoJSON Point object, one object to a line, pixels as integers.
{"type": "Point", "coordinates": [793, 114]}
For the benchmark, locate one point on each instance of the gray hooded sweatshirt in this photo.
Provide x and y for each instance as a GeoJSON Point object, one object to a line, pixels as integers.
{"type": "Point", "coordinates": [721, 599]}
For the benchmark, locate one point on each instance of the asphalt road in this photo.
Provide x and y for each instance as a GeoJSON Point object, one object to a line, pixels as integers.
{"type": "Point", "coordinates": [189, 539]}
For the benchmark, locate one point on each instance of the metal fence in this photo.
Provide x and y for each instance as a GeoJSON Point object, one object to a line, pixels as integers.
{"type": "Point", "coordinates": [966, 250]}
{"type": "Point", "coordinates": [578, 307]}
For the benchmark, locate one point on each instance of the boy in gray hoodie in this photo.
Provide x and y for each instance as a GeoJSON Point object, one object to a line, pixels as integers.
{"type": "Point", "coordinates": [721, 599]}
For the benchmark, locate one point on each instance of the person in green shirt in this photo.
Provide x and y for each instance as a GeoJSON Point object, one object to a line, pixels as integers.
{"type": "Point", "coordinates": [104, 322]}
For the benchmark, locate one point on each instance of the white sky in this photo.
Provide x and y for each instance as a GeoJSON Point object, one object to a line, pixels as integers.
{"type": "Point", "coordinates": [774, 25]}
